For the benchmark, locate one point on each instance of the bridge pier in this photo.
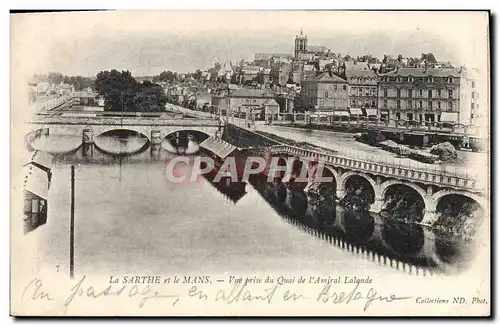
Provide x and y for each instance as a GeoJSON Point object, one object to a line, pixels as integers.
{"type": "Point", "coordinates": [87, 136]}
{"type": "Point", "coordinates": [340, 193]}
{"type": "Point", "coordinates": [88, 150]}
{"type": "Point", "coordinates": [155, 138]}
{"type": "Point", "coordinates": [430, 211]}
{"type": "Point", "coordinates": [339, 217]}
{"type": "Point", "coordinates": [377, 205]}
{"type": "Point", "coordinates": [430, 217]}
{"type": "Point", "coordinates": [378, 228]}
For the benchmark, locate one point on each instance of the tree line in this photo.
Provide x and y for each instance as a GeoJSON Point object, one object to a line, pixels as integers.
{"type": "Point", "coordinates": [172, 77]}
{"type": "Point", "coordinates": [79, 82]}
{"type": "Point", "coordinates": [123, 93]}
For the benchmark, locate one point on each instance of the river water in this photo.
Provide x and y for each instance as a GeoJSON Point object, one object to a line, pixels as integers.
{"type": "Point", "coordinates": [130, 219]}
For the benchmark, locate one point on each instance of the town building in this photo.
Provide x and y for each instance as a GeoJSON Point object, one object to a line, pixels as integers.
{"type": "Point", "coordinates": [266, 59]}
{"type": "Point", "coordinates": [203, 99]}
{"type": "Point", "coordinates": [244, 101]}
{"type": "Point", "coordinates": [421, 95]}
{"type": "Point", "coordinates": [280, 73]}
{"type": "Point", "coordinates": [300, 44]}
{"type": "Point", "coordinates": [473, 89]}
{"type": "Point", "coordinates": [326, 93]}
{"type": "Point", "coordinates": [363, 93]}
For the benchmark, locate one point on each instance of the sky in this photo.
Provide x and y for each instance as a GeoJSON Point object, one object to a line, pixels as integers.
{"type": "Point", "coordinates": [149, 42]}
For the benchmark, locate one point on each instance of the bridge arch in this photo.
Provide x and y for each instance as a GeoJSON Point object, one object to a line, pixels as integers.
{"type": "Point", "coordinates": [410, 204]}
{"type": "Point", "coordinates": [112, 129]}
{"type": "Point", "coordinates": [124, 144]}
{"type": "Point", "coordinates": [343, 180]}
{"type": "Point", "coordinates": [198, 134]}
{"type": "Point", "coordinates": [335, 174]}
{"type": "Point", "coordinates": [386, 185]}
{"type": "Point", "coordinates": [436, 198]}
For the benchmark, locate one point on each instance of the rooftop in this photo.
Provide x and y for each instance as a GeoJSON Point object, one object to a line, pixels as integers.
{"type": "Point", "coordinates": [422, 72]}
{"type": "Point", "coordinates": [350, 73]}
{"type": "Point", "coordinates": [248, 92]}
{"type": "Point", "coordinates": [327, 78]}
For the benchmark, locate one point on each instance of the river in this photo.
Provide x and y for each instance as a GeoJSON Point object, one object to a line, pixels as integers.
{"type": "Point", "coordinates": [130, 219]}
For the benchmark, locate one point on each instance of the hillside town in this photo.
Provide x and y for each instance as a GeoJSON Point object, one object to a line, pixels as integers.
{"type": "Point", "coordinates": [317, 80]}
{"type": "Point", "coordinates": [329, 86]}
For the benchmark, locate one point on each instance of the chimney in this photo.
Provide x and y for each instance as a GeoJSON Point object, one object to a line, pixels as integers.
{"type": "Point", "coordinates": [425, 66]}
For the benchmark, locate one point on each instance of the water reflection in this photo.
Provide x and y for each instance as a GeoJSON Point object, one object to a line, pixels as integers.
{"type": "Point", "coordinates": [121, 142]}
{"type": "Point", "coordinates": [316, 212]}
{"type": "Point", "coordinates": [362, 231]}
{"type": "Point", "coordinates": [56, 144]}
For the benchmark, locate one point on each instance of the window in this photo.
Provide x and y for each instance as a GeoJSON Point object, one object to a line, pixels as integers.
{"type": "Point", "coordinates": [334, 87]}
{"type": "Point", "coordinates": [450, 106]}
{"type": "Point", "coordinates": [398, 104]}
{"type": "Point", "coordinates": [472, 106]}
{"type": "Point", "coordinates": [473, 84]}
{"type": "Point", "coordinates": [439, 93]}
{"type": "Point", "coordinates": [421, 92]}
{"type": "Point", "coordinates": [385, 103]}
{"type": "Point", "coordinates": [27, 206]}
{"type": "Point", "coordinates": [439, 105]}
{"type": "Point", "coordinates": [419, 104]}
{"type": "Point", "coordinates": [410, 105]}
{"type": "Point", "coordinates": [429, 93]}
{"type": "Point", "coordinates": [450, 93]}
{"type": "Point", "coordinates": [430, 79]}
{"type": "Point", "coordinates": [450, 80]}
{"type": "Point", "coordinates": [429, 105]}
{"type": "Point", "coordinates": [399, 79]}
{"type": "Point", "coordinates": [410, 93]}
{"type": "Point", "coordinates": [472, 95]}
{"type": "Point", "coordinates": [326, 94]}
{"type": "Point", "coordinates": [385, 92]}
{"type": "Point", "coordinates": [398, 92]}
{"type": "Point", "coordinates": [398, 116]}
{"type": "Point", "coordinates": [344, 87]}
{"type": "Point", "coordinates": [373, 103]}
{"type": "Point", "coordinates": [410, 79]}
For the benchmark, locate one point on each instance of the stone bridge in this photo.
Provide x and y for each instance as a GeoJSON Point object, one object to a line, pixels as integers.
{"type": "Point", "coordinates": [367, 235]}
{"type": "Point", "coordinates": [431, 184]}
{"type": "Point", "coordinates": [88, 127]}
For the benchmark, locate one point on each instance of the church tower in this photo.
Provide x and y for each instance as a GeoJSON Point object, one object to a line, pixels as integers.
{"type": "Point", "coordinates": [300, 44]}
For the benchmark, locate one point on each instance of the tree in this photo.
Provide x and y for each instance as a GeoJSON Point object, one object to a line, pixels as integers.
{"type": "Point", "coordinates": [429, 57]}
{"type": "Point", "coordinates": [118, 89]}
{"type": "Point", "coordinates": [122, 92]}
{"type": "Point", "coordinates": [167, 76]}
{"type": "Point", "coordinates": [197, 75]}
{"type": "Point", "coordinates": [55, 78]}
{"type": "Point", "coordinates": [150, 98]}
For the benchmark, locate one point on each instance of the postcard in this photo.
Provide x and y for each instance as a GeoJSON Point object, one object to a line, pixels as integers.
{"type": "Point", "coordinates": [250, 163]}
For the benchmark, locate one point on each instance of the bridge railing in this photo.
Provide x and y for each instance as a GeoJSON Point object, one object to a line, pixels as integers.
{"type": "Point", "coordinates": [431, 174]}
{"type": "Point", "coordinates": [51, 103]}
{"type": "Point", "coordinates": [139, 121]}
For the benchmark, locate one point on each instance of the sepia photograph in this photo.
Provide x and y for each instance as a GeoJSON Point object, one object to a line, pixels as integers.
{"type": "Point", "coordinates": [250, 163]}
